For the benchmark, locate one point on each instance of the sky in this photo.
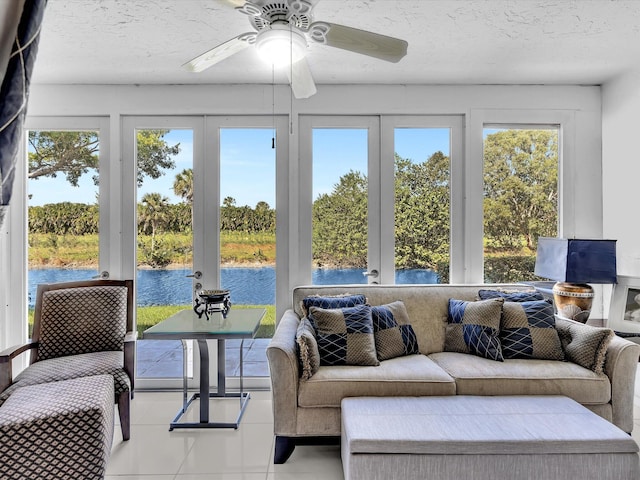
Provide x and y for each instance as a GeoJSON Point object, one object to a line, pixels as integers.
{"type": "Point", "coordinates": [248, 164]}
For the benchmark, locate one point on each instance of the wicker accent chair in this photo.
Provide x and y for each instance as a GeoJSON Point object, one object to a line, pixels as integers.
{"type": "Point", "coordinates": [80, 329]}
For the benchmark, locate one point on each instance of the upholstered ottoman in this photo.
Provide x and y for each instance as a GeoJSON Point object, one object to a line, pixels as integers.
{"type": "Point", "coordinates": [484, 438]}
{"type": "Point", "coordinates": [58, 430]}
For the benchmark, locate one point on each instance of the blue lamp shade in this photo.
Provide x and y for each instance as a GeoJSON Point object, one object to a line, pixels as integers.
{"type": "Point", "coordinates": [576, 261]}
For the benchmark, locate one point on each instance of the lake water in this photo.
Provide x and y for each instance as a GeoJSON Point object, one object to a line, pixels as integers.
{"type": "Point", "coordinates": [255, 286]}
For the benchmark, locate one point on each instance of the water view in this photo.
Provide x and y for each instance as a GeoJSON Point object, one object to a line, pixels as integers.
{"type": "Point", "coordinates": [248, 286]}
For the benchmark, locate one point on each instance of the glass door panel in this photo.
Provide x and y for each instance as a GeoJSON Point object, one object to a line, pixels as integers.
{"type": "Point", "coordinates": [422, 204]}
{"type": "Point", "coordinates": [520, 198]}
{"type": "Point", "coordinates": [340, 209]}
{"type": "Point", "coordinates": [164, 160]}
{"type": "Point", "coordinates": [248, 237]}
{"type": "Point", "coordinates": [63, 207]}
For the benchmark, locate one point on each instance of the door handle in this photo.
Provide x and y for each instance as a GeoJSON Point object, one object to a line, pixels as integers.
{"type": "Point", "coordinates": [197, 275]}
{"type": "Point", "coordinates": [102, 275]}
{"type": "Point", "coordinates": [373, 274]}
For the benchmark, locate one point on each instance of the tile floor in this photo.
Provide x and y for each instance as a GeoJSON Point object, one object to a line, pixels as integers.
{"type": "Point", "coordinates": [244, 454]}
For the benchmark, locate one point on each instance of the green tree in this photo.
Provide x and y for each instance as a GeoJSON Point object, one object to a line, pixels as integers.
{"type": "Point", "coordinates": [520, 188]}
{"type": "Point", "coordinates": [421, 212]}
{"type": "Point", "coordinates": [340, 223]}
{"type": "Point", "coordinates": [75, 153]}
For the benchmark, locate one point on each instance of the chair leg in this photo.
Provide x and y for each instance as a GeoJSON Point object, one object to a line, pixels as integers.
{"type": "Point", "coordinates": [124, 407]}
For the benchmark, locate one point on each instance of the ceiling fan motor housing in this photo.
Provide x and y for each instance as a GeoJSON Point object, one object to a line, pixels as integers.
{"type": "Point", "coordinates": [294, 12]}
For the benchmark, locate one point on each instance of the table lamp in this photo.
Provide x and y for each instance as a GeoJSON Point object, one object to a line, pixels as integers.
{"type": "Point", "coordinates": [573, 264]}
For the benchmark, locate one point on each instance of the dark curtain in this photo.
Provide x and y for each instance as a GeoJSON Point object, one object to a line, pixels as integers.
{"type": "Point", "coordinates": [14, 94]}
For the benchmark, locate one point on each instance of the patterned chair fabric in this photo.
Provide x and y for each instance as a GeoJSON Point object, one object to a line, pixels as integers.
{"type": "Point", "coordinates": [82, 320]}
{"type": "Point", "coordinates": [75, 366]}
{"type": "Point", "coordinates": [59, 430]}
{"type": "Point", "coordinates": [80, 329]}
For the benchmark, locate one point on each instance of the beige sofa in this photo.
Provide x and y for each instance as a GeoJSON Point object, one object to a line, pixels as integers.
{"type": "Point", "coordinates": [308, 411]}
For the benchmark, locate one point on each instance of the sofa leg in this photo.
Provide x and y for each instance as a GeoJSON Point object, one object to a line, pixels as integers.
{"type": "Point", "coordinates": [124, 406]}
{"type": "Point", "coordinates": [284, 449]}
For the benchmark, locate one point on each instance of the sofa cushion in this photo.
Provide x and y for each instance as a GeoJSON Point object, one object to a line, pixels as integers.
{"type": "Point", "coordinates": [412, 375]}
{"type": "Point", "coordinates": [510, 296]}
{"type": "Point", "coordinates": [528, 331]}
{"type": "Point", "coordinates": [308, 353]}
{"type": "Point", "coordinates": [345, 335]}
{"type": "Point", "coordinates": [584, 344]}
{"type": "Point", "coordinates": [331, 301]}
{"type": "Point", "coordinates": [392, 330]}
{"type": "Point", "coordinates": [474, 327]}
{"type": "Point", "coordinates": [479, 376]}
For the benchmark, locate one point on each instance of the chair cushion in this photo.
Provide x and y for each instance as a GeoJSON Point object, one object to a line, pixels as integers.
{"type": "Point", "coordinates": [61, 430]}
{"type": "Point", "coordinates": [82, 320]}
{"type": "Point", "coordinates": [74, 366]}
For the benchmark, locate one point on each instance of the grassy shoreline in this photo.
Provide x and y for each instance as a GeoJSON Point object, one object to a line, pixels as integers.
{"type": "Point", "coordinates": [147, 317]}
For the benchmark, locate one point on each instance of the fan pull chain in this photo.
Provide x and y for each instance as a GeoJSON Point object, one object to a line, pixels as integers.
{"type": "Point", "coordinates": [273, 105]}
{"type": "Point", "coordinates": [291, 76]}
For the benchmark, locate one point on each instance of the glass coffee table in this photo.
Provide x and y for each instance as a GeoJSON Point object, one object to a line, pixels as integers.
{"type": "Point", "coordinates": [186, 325]}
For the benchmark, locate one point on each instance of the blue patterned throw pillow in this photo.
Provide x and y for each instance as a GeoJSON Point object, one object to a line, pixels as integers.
{"type": "Point", "coordinates": [523, 296]}
{"type": "Point", "coordinates": [393, 333]}
{"type": "Point", "coordinates": [328, 302]}
{"type": "Point", "coordinates": [474, 327]}
{"type": "Point", "coordinates": [529, 331]}
{"type": "Point", "coordinates": [345, 335]}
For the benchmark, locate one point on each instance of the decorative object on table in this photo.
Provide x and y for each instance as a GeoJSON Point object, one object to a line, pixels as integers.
{"type": "Point", "coordinates": [624, 314]}
{"type": "Point", "coordinates": [212, 301]}
{"type": "Point", "coordinates": [574, 264]}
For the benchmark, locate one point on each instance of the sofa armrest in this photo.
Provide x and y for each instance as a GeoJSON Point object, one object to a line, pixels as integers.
{"type": "Point", "coordinates": [6, 359]}
{"type": "Point", "coordinates": [285, 374]}
{"type": "Point", "coordinates": [620, 366]}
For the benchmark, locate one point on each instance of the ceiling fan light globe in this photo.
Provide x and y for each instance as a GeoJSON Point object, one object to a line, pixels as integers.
{"type": "Point", "coordinates": [281, 46]}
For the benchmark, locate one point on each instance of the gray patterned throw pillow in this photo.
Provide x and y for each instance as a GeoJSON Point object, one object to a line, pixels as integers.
{"type": "Point", "coordinates": [528, 330]}
{"type": "Point", "coordinates": [392, 331]}
{"type": "Point", "coordinates": [344, 335]}
{"type": "Point", "coordinates": [474, 327]}
{"type": "Point", "coordinates": [307, 349]}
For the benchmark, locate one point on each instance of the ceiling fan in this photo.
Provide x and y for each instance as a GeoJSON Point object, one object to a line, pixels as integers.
{"type": "Point", "coordinates": [282, 30]}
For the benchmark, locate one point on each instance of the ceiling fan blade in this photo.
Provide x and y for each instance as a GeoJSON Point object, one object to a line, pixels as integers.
{"type": "Point", "coordinates": [359, 41]}
{"type": "Point", "coordinates": [219, 53]}
{"type": "Point", "coordinates": [300, 78]}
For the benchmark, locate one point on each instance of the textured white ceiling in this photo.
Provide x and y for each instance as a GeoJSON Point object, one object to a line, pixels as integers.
{"type": "Point", "coordinates": [450, 42]}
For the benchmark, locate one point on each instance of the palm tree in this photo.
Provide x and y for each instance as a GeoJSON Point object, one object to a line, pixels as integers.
{"type": "Point", "coordinates": [183, 185]}
{"type": "Point", "coordinates": [153, 213]}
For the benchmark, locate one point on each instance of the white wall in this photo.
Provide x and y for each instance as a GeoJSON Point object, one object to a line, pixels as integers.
{"type": "Point", "coordinates": [621, 169]}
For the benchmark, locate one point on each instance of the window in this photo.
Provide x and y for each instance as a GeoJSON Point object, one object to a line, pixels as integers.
{"type": "Point", "coordinates": [520, 198]}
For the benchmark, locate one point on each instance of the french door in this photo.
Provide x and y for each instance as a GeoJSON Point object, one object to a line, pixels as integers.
{"type": "Point", "coordinates": [217, 182]}
{"type": "Point", "coordinates": [376, 196]}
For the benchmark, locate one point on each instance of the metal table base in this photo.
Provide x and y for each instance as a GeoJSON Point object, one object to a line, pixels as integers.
{"type": "Point", "coordinates": [204, 392]}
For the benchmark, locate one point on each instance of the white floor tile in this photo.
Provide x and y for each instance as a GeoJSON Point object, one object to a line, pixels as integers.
{"type": "Point", "coordinates": [152, 450]}
{"type": "Point", "coordinates": [247, 450]}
